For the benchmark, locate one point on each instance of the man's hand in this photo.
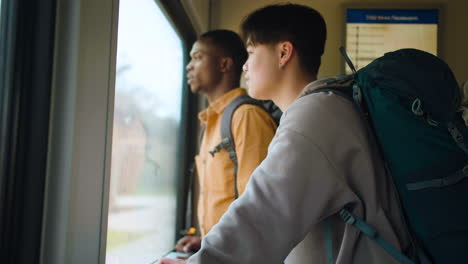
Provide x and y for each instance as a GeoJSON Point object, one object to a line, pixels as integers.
{"type": "Point", "coordinates": [189, 244]}
{"type": "Point", "coordinates": [171, 261]}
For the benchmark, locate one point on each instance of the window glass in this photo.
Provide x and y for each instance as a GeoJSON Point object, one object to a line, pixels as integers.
{"type": "Point", "coordinates": [145, 142]}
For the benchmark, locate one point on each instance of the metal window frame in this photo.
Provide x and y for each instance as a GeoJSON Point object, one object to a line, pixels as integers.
{"type": "Point", "coordinates": [80, 132]}
{"type": "Point", "coordinates": [77, 186]}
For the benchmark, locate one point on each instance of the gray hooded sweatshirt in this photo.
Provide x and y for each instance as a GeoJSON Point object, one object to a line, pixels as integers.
{"type": "Point", "coordinates": [320, 160]}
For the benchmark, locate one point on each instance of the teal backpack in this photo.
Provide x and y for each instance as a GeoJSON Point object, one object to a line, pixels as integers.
{"type": "Point", "coordinates": [411, 100]}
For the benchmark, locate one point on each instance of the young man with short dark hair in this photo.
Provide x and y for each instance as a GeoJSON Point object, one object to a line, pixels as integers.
{"type": "Point", "coordinates": [214, 71]}
{"type": "Point", "coordinates": [320, 161]}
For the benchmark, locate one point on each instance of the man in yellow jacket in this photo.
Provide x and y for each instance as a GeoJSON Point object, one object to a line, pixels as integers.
{"type": "Point", "coordinates": [214, 71]}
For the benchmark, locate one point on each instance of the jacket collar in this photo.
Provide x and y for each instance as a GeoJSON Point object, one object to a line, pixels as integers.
{"type": "Point", "coordinates": [220, 104]}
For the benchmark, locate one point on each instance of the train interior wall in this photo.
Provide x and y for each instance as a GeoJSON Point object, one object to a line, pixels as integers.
{"type": "Point", "coordinates": [453, 39]}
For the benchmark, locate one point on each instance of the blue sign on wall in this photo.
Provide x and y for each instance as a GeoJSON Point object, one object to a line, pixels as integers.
{"type": "Point", "coordinates": [370, 16]}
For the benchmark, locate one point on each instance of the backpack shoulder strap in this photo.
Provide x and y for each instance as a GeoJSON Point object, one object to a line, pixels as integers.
{"type": "Point", "coordinates": [340, 92]}
{"type": "Point", "coordinates": [228, 113]}
{"type": "Point", "coordinates": [348, 89]}
{"type": "Point", "coordinates": [273, 110]}
{"type": "Point", "coordinates": [227, 140]}
{"type": "Point", "coordinates": [372, 233]}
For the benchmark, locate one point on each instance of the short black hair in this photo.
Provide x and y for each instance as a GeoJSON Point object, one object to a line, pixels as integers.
{"type": "Point", "coordinates": [230, 43]}
{"type": "Point", "coordinates": [303, 26]}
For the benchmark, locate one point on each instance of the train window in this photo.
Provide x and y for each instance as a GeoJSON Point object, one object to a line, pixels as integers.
{"type": "Point", "coordinates": [146, 129]}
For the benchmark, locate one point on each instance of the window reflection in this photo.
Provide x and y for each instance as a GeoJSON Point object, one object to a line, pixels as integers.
{"type": "Point", "coordinates": [147, 114]}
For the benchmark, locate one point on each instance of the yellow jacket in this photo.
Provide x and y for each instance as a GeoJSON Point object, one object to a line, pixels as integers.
{"type": "Point", "coordinates": [252, 130]}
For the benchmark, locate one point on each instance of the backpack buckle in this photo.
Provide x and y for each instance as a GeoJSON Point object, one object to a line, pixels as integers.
{"type": "Point", "coordinates": [347, 217]}
{"type": "Point", "coordinates": [223, 145]}
{"type": "Point", "coordinates": [416, 107]}
{"type": "Point", "coordinates": [357, 94]}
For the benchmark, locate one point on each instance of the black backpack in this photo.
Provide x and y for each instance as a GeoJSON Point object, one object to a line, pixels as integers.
{"type": "Point", "coordinates": [227, 143]}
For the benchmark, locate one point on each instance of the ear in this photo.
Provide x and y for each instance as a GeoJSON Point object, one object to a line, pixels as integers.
{"type": "Point", "coordinates": [285, 49]}
{"type": "Point", "coordinates": [226, 64]}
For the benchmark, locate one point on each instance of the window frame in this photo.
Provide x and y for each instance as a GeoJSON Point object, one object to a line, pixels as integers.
{"type": "Point", "coordinates": [188, 145]}
{"type": "Point", "coordinates": [77, 187]}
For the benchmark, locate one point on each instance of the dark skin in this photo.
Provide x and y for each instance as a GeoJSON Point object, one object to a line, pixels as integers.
{"type": "Point", "coordinates": [209, 72]}
{"type": "Point", "coordinates": [189, 244]}
{"type": "Point", "coordinates": [212, 74]}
